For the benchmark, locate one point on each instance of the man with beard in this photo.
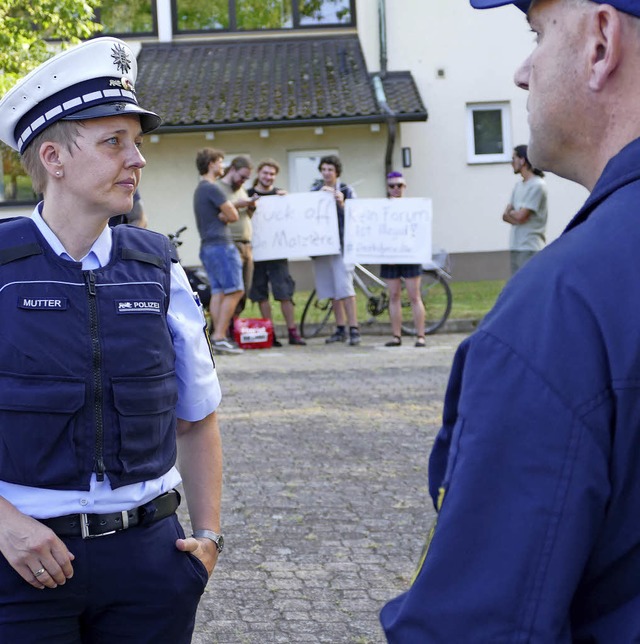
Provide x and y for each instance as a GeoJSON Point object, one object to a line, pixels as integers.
{"type": "Point", "coordinates": [273, 271]}
{"type": "Point", "coordinates": [231, 184]}
{"type": "Point", "coordinates": [526, 211]}
{"type": "Point", "coordinates": [535, 473]}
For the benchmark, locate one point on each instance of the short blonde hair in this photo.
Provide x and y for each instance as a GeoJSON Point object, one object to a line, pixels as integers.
{"type": "Point", "coordinates": [63, 132]}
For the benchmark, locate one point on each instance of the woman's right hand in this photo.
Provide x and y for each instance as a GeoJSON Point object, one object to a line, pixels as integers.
{"type": "Point", "coordinates": [29, 546]}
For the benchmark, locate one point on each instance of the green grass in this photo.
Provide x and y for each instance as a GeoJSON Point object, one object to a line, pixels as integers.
{"type": "Point", "coordinates": [471, 300]}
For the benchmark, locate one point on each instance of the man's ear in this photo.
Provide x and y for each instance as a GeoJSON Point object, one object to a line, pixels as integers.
{"type": "Point", "coordinates": [604, 37]}
{"type": "Point", "coordinates": [50, 158]}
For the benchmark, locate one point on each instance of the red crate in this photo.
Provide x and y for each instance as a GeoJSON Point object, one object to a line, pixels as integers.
{"type": "Point", "coordinates": [253, 333]}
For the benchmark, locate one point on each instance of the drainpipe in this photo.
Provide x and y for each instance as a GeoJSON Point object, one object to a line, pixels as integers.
{"type": "Point", "coordinates": [382, 28]}
{"type": "Point", "coordinates": [390, 116]}
{"type": "Point", "coordinates": [391, 120]}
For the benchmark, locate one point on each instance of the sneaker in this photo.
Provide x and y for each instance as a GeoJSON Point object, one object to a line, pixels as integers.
{"type": "Point", "coordinates": [294, 338]}
{"type": "Point", "coordinates": [354, 337]}
{"type": "Point", "coordinates": [338, 336]}
{"type": "Point", "coordinates": [225, 346]}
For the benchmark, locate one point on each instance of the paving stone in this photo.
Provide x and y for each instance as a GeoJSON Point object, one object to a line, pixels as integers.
{"type": "Point", "coordinates": [325, 502]}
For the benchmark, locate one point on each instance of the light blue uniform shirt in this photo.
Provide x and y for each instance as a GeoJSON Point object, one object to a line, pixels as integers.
{"type": "Point", "coordinates": [198, 396]}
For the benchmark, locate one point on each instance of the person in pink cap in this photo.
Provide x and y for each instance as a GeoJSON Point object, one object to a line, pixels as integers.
{"type": "Point", "coordinates": [410, 273]}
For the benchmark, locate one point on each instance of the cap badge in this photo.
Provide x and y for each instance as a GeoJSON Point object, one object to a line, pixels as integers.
{"type": "Point", "coordinates": [127, 84]}
{"type": "Point", "coordinates": [121, 58]}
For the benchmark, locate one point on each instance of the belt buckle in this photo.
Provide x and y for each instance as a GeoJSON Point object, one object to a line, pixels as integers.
{"type": "Point", "coordinates": [85, 530]}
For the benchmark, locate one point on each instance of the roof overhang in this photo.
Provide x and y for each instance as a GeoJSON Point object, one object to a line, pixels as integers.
{"type": "Point", "coordinates": [266, 83]}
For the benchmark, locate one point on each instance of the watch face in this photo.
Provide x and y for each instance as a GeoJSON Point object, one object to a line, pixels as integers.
{"type": "Point", "coordinates": [220, 543]}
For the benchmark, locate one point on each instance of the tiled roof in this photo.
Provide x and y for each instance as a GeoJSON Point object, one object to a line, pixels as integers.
{"type": "Point", "coordinates": [259, 83]}
{"type": "Point", "coordinates": [402, 93]}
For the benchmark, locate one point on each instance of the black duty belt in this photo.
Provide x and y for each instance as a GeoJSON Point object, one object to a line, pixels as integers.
{"type": "Point", "coordinates": [100, 525]}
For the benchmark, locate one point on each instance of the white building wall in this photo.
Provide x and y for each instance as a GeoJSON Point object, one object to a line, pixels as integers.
{"type": "Point", "coordinates": [478, 52]}
{"type": "Point", "coordinates": [170, 177]}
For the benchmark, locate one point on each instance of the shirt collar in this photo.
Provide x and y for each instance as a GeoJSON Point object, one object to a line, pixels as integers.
{"type": "Point", "coordinates": [98, 255]}
{"type": "Point", "coordinates": [621, 169]}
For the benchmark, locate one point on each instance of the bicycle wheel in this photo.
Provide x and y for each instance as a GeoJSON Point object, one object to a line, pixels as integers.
{"type": "Point", "coordinates": [436, 297]}
{"type": "Point", "coordinates": [314, 316]}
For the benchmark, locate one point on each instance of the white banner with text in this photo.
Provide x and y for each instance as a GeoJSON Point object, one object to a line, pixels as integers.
{"type": "Point", "coordinates": [387, 231]}
{"type": "Point", "coordinates": [296, 225]}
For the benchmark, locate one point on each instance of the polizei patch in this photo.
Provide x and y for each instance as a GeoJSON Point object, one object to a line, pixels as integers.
{"type": "Point", "coordinates": [138, 306]}
{"type": "Point", "coordinates": [43, 303]}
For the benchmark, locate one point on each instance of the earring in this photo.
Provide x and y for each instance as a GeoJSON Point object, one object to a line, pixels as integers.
{"type": "Point", "coordinates": [57, 173]}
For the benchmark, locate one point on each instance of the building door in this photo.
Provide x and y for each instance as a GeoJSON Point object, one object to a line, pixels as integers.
{"type": "Point", "coordinates": [303, 168]}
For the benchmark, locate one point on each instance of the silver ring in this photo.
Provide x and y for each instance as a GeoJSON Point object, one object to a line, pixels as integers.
{"type": "Point", "coordinates": [37, 573]}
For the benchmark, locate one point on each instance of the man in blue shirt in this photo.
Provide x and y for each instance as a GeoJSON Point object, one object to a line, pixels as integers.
{"type": "Point", "coordinates": [535, 473]}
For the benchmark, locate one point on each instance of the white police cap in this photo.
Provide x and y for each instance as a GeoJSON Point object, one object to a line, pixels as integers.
{"type": "Point", "coordinates": [95, 79]}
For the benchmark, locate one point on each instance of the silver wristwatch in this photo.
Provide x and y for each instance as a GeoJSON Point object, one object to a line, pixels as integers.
{"type": "Point", "coordinates": [218, 539]}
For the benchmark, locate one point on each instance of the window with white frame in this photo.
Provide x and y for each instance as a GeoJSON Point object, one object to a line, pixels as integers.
{"type": "Point", "coordinates": [488, 132]}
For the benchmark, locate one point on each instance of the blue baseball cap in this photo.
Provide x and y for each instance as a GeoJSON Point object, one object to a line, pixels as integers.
{"type": "Point", "coordinates": [628, 6]}
{"type": "Point", "coordinates": [489, 4]}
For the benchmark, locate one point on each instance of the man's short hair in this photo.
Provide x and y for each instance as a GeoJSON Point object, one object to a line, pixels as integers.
{"type": "Point", "coordinates": [241, 161]}
{"type": "Point", "coordinates": [331, 159]}
{"type": "Point", "coordinates": [63, 132]}
{"type": "Point", "coordinates": [207, 156]}
{"type": "Point", "coordinates": [271, 162]}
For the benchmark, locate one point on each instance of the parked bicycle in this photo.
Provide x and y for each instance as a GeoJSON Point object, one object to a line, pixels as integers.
{"type": "Point", "coordinates": [436, 297]}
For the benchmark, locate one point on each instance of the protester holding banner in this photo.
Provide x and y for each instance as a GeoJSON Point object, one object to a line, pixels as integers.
{"type": "Point", "coordinates": [333, 278]}
{"type": "Point", "coordinates": [273, 271]}
{"type": "Point", "coordinates": [394, 273]}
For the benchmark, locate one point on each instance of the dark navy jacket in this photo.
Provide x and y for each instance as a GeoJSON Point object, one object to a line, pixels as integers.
{"type": "Point", "coordinates": [537, 465]}
{"type": "Point", "coordinates": [87, 380]}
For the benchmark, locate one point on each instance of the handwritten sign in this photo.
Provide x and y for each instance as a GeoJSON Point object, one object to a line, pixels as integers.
{"type": "Point", "coordinates": [387, 231]}
{"type": "Point", "coordinates": [295, 225]}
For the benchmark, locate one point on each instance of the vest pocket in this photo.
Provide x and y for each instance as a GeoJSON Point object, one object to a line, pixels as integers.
{"type": "Point", "coordinates": [40, 429]}
{"type": "Point", "coordinates": [146, 416]}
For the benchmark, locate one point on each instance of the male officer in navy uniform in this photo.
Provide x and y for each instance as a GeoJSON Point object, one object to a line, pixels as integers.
{"type": "Point", "coordinates": [106, 378]}
{"type": "Point", "coordinates": [536, 470]}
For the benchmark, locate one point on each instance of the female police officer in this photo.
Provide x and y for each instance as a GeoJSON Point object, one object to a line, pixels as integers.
{"type": "Point", "coordinates": [103, 363]}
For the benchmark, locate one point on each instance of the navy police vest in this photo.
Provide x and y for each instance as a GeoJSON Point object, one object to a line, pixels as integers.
{"type": "Point", "coordinates": [87, 380]}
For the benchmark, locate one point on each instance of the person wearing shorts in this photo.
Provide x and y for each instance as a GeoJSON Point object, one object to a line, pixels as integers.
{"type": "Point", "coordinates": [218, 253]}
{"type": "Point", "coordinates": [333, 278]}
{"type": "Point", "coordinates": [410, 273]}
{"type": "Point", "coordinates": [274, 271]}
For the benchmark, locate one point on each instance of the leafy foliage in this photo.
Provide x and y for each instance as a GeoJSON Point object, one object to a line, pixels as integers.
{"type": "Point", "coordinates": [132, 16]}
{"type": "Point", "coordinates": [258, 14]}
{"type": "Point", "coordinates": [266, 14]}
{"type": "Point", "coordinates": [26, 28]}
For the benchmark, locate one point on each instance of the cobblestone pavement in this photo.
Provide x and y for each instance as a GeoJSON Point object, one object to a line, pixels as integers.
{"type": "Point", "coordinates": [325, 506]}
